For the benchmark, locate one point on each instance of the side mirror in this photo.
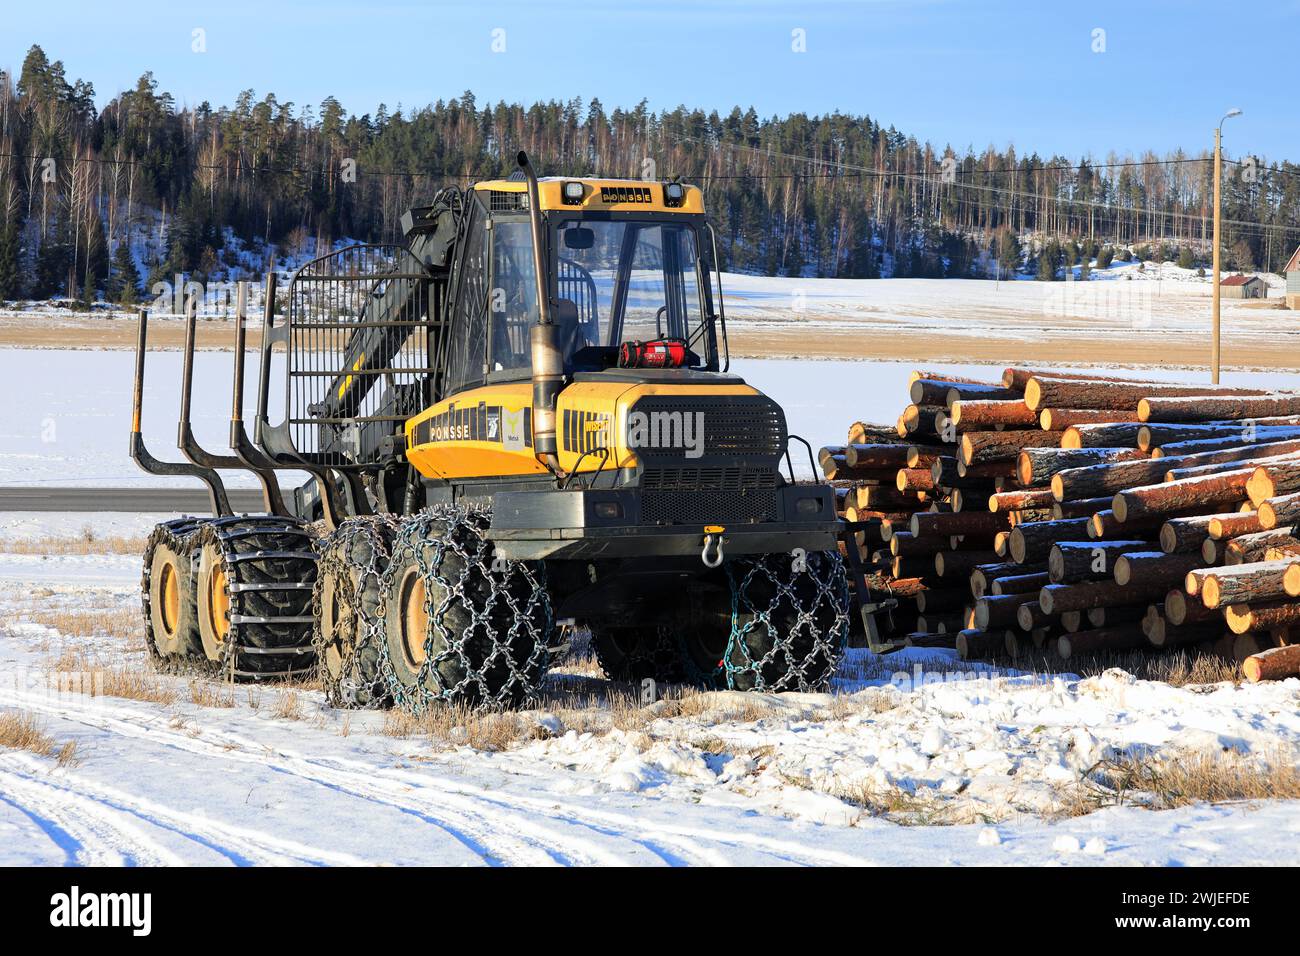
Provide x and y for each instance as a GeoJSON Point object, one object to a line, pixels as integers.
{"type": "Point", "coordinates": [579, 237]}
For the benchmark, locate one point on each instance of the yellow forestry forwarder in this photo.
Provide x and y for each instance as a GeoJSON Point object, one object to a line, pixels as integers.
{"type": "Point", "coordinates": [522, 418]}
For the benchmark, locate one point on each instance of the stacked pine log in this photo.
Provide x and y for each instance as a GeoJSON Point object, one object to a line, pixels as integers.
{"type": "Point", "coordinates": [1074, 514]}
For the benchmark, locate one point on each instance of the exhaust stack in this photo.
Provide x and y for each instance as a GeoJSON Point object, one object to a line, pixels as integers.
{"type": "Point", "coordinates": [544, 339]}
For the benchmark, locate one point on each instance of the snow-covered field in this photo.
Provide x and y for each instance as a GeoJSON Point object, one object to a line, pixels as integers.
{"type": "Point", "coordinates": [915, 758]}
{"type": "Point", "coordinates": [1119, 317]}
{"type": "Point", "coordinates": [911, 759]}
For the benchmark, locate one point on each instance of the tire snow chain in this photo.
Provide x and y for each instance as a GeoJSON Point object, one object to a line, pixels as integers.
{"type": "Point", "coordinates": [336, 552]}
{"type": "Point", "coordinates": [181, 535]}
{"type": "Point", "coordinates": [825, 569]}
{"type": "Point", "coordinates": [660, 649]}
{"type": "Point", "coordinates": [463, 537]}
{"type": "Point", "coordinates": [224, 532]}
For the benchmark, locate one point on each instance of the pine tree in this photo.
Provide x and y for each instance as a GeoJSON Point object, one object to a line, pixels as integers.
{"type": "Point", "coordinates": [11, 279]}
{"type": "Point", "coordinates": [1008, 252]}
{"type": "Point", "coordinates": [53, 260]}
{"type": "Point", "coordinates": [124, 286]}
{"type": "Point", "coordinates": [1049, 260]}
{"type": "Point", "coordinates": [1186, 260]}
{"type": "Point", "coordinates": [93, 267]}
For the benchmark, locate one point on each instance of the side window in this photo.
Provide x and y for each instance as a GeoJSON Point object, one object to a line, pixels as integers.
{"type": "Point", "coordinates": [514, 294]}
{"type": "Point", "coordinates": [467, 346]}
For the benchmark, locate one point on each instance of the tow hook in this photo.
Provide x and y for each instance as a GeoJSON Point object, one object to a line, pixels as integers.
{"type": "Point", "coordinates": [711, 554]}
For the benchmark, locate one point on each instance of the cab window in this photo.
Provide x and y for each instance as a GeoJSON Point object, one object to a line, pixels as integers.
{"type": "Point", "coordinates": [513, 297]}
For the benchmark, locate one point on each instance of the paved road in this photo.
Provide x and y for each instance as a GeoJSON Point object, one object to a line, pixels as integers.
{"type": "Point", "coordinates": [169, 500]}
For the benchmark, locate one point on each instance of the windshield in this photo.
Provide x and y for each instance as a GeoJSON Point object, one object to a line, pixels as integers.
{"type": "Point", "coordinates": [622, 281]}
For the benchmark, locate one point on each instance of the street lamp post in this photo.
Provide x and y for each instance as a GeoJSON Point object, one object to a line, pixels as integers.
{"type": "Point", "coordinates": [1218, 209]}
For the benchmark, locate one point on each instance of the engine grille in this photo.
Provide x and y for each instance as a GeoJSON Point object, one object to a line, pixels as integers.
{"type": "Point", "coordinates": [737, 480]}
{"type": "Point", "coordinates": [749, 426]}
{"type": "Point", "coordinates": [727, 474]}
{"type": "Point", "coordinates": [706, 507]}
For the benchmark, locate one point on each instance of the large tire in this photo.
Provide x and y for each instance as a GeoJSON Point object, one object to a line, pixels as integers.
{"type": "Point", "coordinates": [789, 622]}
{"type": "Point", "coordinates": [348, 606]}
{"type": "Point", "coordinates": [462, 627]}
{"type": "Point", "coordinates": [168, 593]}
{"type": "Point", "coordinates": [254, 596]}
{"type": "Point", "coordinates": [632, 654]}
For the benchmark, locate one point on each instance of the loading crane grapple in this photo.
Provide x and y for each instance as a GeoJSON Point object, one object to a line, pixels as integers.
{"type": "Point", "coordinates": [523, 416]}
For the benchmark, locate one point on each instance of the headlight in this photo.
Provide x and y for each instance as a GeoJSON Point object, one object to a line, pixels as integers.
{"type": "Point", "coordinates": [573, 193]}
{"type": "Point", "coordinates": [674, 193]}
{"type": "Point", "coordinates": [608, 509]}
{"type": "Point", "coordinates": [808, 506]}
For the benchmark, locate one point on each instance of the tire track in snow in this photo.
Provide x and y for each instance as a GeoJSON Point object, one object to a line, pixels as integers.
{"type": "Point", "coordinates": [686, 836]}
{"type": "Point", "coordinates": [115, 808]}
{"type": "Point", "coordinates": [86, 833]}
{"type": "Point", "coordinates": [499, 827]}
{"type": "Point", "coordinates": [494, 840]}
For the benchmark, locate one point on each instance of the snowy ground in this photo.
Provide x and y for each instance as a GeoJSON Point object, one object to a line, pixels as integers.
{"type": "Point", "coordinates": [897, 765]}
{"type": "Point", "coordinates": [1130, 314]}
{"type": "Point", "coordinates": [887, 769]}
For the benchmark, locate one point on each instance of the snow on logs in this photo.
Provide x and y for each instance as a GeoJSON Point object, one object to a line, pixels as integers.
{"type": "Point", "coordinates": [1067, 513]}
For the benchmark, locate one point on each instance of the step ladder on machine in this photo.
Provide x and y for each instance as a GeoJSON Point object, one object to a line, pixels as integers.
{"type": "Point", "coordinates": [868, 603]}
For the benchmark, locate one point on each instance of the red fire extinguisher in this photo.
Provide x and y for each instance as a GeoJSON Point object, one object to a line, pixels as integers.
{"type": "Point", "coordinates": [657, 353]}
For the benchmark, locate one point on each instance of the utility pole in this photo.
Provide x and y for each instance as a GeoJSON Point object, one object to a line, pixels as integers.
{"type": "Point", "coordinates": [1218, 212]}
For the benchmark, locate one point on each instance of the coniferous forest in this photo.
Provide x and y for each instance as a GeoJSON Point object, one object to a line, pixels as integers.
{"type": "Point", "coordinates": [101, 202]}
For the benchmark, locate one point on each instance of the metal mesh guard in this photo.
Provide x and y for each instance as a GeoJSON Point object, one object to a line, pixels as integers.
{"type": "Point", "coordinates": [359, 350]}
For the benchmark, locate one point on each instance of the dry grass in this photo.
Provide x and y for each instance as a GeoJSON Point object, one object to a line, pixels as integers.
{"type": "Point", "coordinates": [205, 694]}
{"type": "Point", "coordinates": [74, 671]}
{"type": "Point", "coordinates": [895, 804]}
{"type": "Point", "coordinates": [288, 706]}
{"type": "Point", "coordinates": [910, 809]}
{"type": "Point", "coordinates": [875, 701]}
{"type": "Point", "coordinates": [732, 709]}
{"type": "Point", "coordinates": [20, 731]}
{"type": "Point", "coordinates": [121, 623]}
{"type": "Point", "coordinates": [133, 685]}
{"type": "Point", "coordinates": [1165, 782]}
{"type": "Point", "coordinates": [69, 661]}
{"type": "Point", "coordinates": [580, 661]}
{"type": "Point", "coordinates": [305, 681]}
{"type": "Point", "coordinates": [1177, 668]}
{"type": "Point", "coordinates": [88, 542]}
{"type": "Point", "coordinates": [448, 728]}
{"type": "Point", "coordinates": [68, 755]}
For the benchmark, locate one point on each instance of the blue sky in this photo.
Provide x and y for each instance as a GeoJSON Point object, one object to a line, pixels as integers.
{"type": "Point", "coordinates": [961, 73]}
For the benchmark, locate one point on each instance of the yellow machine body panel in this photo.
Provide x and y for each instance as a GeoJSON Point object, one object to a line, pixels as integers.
{"type": "Point", "coordinates": [487, 432]}
{"type": "Point", "coordinates": [605, 195]}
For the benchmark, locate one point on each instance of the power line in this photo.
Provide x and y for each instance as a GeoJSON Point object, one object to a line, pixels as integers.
{"type": "Point", "coordinates": [1002, 191]}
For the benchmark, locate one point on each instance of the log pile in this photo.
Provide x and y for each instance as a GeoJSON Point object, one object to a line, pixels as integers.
{"type": "Point", "coordinates": [1069, 514]}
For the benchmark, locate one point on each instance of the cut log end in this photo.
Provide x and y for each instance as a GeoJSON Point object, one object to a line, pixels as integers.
{"type": "Point", "coordinates": [1210, 592]}
{"type": "Point", "coordinates": [1168, 539]}
{"type": "Point", "coordinates": [1274, 663]}
{"type": "Point", "coordinates": [1033, 394]}
{"type": "Point", "coordinates": [1291, 581]}
{"type": "Point", "coordinates": [1123, 573]}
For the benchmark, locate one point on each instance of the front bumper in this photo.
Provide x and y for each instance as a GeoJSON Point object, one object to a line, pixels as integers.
{"type": "Point", "coordinates": [586, 524]}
